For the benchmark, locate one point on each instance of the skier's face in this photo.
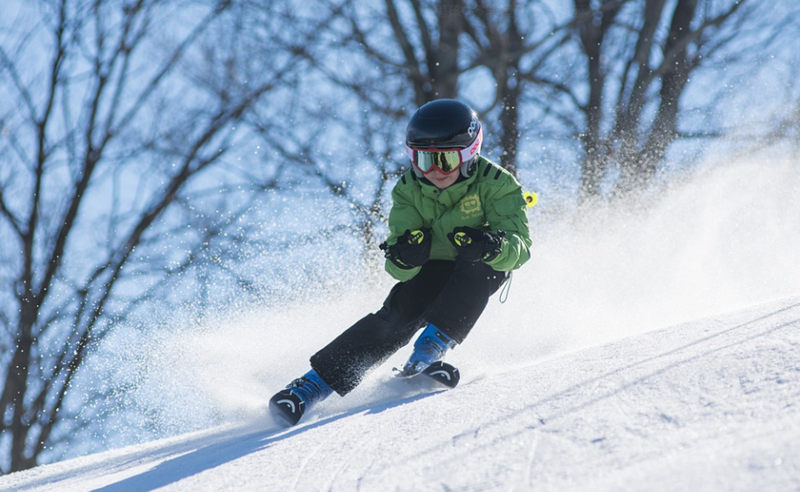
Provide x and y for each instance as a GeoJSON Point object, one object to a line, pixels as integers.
{"type": "Point", "coordinates": [440, 179]}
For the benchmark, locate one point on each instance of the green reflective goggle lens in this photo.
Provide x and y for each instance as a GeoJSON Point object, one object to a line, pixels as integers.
{"type": "Point", "coordinates": [447, 161]}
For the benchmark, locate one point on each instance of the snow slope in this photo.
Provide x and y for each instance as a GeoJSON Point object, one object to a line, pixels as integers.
{"type": "Point", "coordinates": [712, 404]}
{"type": "Point", "coordinates": [593, 376]}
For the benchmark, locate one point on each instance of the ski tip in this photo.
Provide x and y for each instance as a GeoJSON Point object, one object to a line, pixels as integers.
{"type": "Point", "coordinates": [286, 408]}
{"type": "Point", "coordinates": [444, 373]}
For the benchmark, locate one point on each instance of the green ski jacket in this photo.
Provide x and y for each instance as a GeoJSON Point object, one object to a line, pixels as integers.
{"type": "Point", "coordinates": [491, 198]}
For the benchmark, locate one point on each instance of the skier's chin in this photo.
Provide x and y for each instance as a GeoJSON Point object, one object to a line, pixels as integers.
{"type": "Point", "coordinates": [442, 181]}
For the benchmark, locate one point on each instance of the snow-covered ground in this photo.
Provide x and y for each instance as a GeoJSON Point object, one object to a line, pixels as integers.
{"type": "Point", "coordinates": [712, 404]}
{"type": "Point", "coordinates": [649, 350]}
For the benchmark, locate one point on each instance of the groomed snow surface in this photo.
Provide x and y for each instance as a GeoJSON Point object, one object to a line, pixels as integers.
{"type": "Point", "coordinates": [708, 405]}
{"type": "Point", "coordinates": [593, 376]}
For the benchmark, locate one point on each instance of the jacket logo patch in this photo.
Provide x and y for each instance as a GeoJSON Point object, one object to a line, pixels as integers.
{"type": "Point", "coordinates": [470, 205]}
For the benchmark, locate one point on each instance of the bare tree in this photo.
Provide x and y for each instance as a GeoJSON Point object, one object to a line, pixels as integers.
{"type": "Point", "coordinates": [638, 58]}
{"type": "Point", "coordinates": [513, 40]}
{"type": "Point", "coordinates": [111, 131]}
{"type": "Point", "coordinates": [423, 50]}
{"type": "Point", "coordinates": [342, 133]}
{"type": "Point", "coordinates": [609, 75]}
{"type": "Point", "coordinates": [383, 62]}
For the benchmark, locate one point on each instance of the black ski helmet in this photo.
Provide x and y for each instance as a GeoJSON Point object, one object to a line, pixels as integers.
{"type": "Point", "coordinates": [445, 124]}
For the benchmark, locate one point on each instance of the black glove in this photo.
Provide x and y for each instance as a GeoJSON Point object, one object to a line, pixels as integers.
{"type": "Point", "coordinates": [476, 244]}
{"type": "Point", "coordinates": [412, 249]}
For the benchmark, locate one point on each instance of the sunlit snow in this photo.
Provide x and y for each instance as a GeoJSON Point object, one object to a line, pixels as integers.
{"type": "Point", "coordinates": [657, 350]}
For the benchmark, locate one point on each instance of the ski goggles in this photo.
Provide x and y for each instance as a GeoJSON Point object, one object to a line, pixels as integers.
{"type": "Point", "coordinates": [446, 161]}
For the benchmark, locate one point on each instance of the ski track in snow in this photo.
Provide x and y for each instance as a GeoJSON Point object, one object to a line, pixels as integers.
{"type": "Point", "coordinates": [706, 405]}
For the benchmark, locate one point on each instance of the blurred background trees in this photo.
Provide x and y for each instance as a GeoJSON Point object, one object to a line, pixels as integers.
{"type": "Point", "coordinates": [164, 154]}
{"type": "Point", "coordinates": [117, 121]}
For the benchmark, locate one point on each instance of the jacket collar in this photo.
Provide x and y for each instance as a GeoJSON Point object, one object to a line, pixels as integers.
{"type": "Point", "coordinates": [450, 195]}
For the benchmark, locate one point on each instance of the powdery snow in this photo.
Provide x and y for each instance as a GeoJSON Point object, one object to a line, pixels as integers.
{"type": "Point", "coordinates": [591, 377]}
{"type": "Point", "coordinates": [705, 405]}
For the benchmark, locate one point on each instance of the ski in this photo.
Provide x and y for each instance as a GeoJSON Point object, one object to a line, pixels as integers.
{"type": "Point", "coordinates": [287, 407]}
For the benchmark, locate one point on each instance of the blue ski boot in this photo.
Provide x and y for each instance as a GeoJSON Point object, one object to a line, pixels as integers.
{"type": "Point", "coordinates": [430, 347]}
{"type": "Point", "coordinates": [289, 404]}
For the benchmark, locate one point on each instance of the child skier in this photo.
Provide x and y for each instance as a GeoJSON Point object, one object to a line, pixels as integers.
{"type": "Point", "coordinates": [457, 227]}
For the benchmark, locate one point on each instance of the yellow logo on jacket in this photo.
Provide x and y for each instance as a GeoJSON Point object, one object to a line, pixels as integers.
{"type": "Point", "coordinates": [470, 205]}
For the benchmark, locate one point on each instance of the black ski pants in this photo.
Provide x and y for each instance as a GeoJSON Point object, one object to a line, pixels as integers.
{"type": "Point", "coordinates": [449, 294]}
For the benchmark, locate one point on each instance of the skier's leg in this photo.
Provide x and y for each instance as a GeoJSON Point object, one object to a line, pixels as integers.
{"type": "Point", "coordinates": [452, 313]}
{"type": "Point", "coordinates": [370, 341]}
{"type": "Point", "coordinates": [459, 304]}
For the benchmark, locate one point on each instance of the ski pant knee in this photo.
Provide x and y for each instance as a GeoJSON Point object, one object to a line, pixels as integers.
{"type": "Point", "coordinates": [343, 363]}
{"type": "Point", "coordinates": [462, 300]}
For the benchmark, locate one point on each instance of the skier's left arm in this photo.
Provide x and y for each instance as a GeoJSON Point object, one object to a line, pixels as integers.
{"type": "Point", "coordinates": [505, 211]}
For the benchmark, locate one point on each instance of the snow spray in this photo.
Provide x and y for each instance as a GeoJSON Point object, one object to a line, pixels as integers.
{"type": "Point", "coordinates": [725, 237]}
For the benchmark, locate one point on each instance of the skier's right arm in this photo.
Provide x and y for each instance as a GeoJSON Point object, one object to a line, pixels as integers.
{"type": "Point", "coordinates": [403, 217]}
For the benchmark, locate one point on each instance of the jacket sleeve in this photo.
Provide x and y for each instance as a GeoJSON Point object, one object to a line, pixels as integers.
{"type": "Point", "coordinates": [403, 215]}
{"type": "Point", "coordinates": [505, 211]}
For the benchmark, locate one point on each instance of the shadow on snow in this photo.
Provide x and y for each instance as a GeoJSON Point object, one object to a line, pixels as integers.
{"type": "Point", "coordinates": [219, 453]}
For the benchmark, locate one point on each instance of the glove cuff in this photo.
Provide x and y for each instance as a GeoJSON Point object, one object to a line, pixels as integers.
{"type": "Point", "coordinates": [494, 245]}
{"type": "Point", "coordinates": [399, 263]}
